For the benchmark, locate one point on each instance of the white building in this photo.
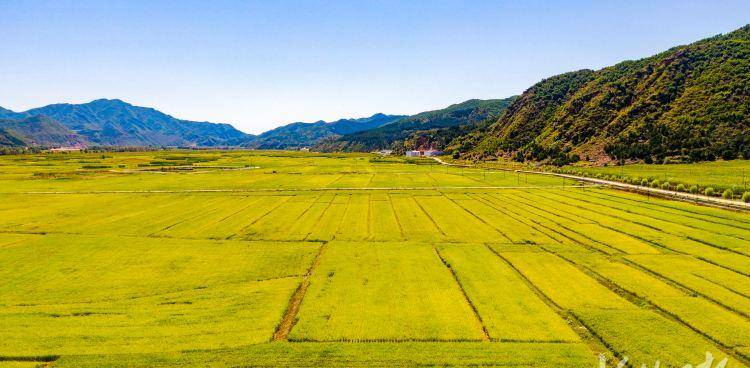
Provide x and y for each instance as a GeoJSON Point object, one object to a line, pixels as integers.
{"type": "Point", "coordinates": [413, 153]}
{"type": "Point", "coordinates": [432, 152]}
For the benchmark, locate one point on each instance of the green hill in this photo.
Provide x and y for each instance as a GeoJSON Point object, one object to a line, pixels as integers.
{"type": "Point", "coordinates": [394, 135]}
{"type": "Point", "coordinates": [689, 103]}
{"type": "Point", "coordinates": [296, 135]}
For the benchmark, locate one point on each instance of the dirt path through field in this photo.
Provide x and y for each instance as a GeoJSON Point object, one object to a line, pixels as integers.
{"type": "Point", "coordinates": [290, 315]}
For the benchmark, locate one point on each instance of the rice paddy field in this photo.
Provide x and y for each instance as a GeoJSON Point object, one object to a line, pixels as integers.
{"type": "Point", "coordinates": [263, 258]}
{"type": "Point", "coordinates": [720, 175]}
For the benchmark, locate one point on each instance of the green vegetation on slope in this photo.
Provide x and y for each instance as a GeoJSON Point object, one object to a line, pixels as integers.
{"type": "Point", "coordinates": [296, 135]}
{"type": "Point", "coordinates": [411, 128]}
{"type": "Point", "coordinates": [691, 103]}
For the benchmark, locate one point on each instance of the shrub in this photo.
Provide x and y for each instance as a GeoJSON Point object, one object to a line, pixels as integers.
{"type": "Point", "coordinates": [655, 183]}
{"type": "Point", "coordinates": [708, 191]}
{"type": "Point", "coordinates": [644, 182]}
{"type": "Point", "coordinates": [665, 185]}
{"type": "Point", "coordinates": [746, 197]}
{"type": "Point", "coordinates": [694, 189]}
{"type": "Point", "coordinates": [728, 194]}
{"type": "Point", "coordinates": [681, 188]}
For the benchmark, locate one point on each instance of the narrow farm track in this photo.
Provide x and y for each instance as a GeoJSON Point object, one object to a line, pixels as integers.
{"type": "Point", "coordinates": [647, 219]}
{"type": "Point", "coordinates": [290, 314]}
{"type": "Point", "coordinates": [641, 301]}
{"type": "Point", "coordinates": [668, 280]}
{"type": "Point", "coordinates": [485, 334]}
{"type": "Point", "coordinates": [283, 190]}
{"type": "Point", "coordinates": [587, 334]}
{"type": "Point", "coordinates": [599, 215]}
{"type": "Point", "coordinates": [500, 232]}
{"type": "Point", "coordinates": [652, 206]}
{"type": "Point", "coordinates": [688, 197]}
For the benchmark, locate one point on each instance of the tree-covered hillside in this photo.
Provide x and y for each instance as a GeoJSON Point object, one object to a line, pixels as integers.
{"type": "Point", "coordinates": [394, 135]}
{"type": "Point", "coordinates": [689, 103]}
{"type": "Point", "coordinates": [296, 135]}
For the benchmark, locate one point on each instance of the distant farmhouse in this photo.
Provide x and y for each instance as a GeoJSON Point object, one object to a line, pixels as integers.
{"type": "Point", "coordinates": [424, 153]}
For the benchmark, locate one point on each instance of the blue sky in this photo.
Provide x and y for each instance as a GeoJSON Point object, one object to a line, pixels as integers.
{"type": "Point", "coordinates": [260, 64]}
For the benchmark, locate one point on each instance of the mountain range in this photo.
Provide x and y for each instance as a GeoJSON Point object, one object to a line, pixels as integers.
{"type": "Point", "coordinates": [117, 123]}
{"type": "Point", "coordinates": [299, 134]}
{"type": "Point", "coordinates": [36, 130]}
{"type": "Point", "coordinates": [689, 103]}
{"type": "Point", "coordinates": [395, 135]}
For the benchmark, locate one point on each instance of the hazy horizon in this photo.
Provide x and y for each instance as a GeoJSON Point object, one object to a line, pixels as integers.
{"type": "Point", "coordinates": [260, 65]}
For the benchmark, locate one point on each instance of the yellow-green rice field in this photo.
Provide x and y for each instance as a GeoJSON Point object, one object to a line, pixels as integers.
{"type": "Point", "coordinates": [272, 258]}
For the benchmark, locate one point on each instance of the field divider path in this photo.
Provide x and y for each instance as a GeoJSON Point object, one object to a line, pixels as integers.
{"type": "Point", "coordinates": [256, 220]}
{"type": "Point", "coordinates": [395, 214]}
{"type": "Point", "coordinates": [650, 207]}
{"type": "Point", "coordinates": [639, 301]}
{"type": "Point", "coordinates": [680, 209]}
{"type": "Point", "coordinates": [437, 226]}
{"type": "Point", "coordinates": [485, 333]}
{"type": "Point", "coordinates": [588, 200]}
{"type": "Point", "coordinates": [687, 197]}
{"type": "Point", "coordinates": [480, 219]}
{"type": "Point", "coordinates": [289, 318]}
{"type": "Point", "coordinates": [675, 284]}
{"type": "Point", "coordinates": [282, 190]}
{"type": "Point", "coordinates": [317, 221]}
{"type": "Point", "coordinates": [646, 240]}
{"type": "Point", "coordinates": [595, 342]}
{"type": "Point", "coordinates": [551, 233]}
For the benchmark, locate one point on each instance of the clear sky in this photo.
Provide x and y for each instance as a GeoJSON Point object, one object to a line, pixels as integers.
{"type": "Point", "coordinates": [260, 64]}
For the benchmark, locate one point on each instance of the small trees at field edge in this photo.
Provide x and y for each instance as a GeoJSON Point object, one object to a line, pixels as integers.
{"type": "Point", "coordinates": [728, 194]}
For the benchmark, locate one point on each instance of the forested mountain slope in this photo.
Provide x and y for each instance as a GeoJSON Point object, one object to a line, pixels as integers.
{"type": "Point", "coordinates": [300, 134]}
{"type": "Point", "coordinates": [393, 135]}
{"type": "Point", "coordinates": [691, 103]}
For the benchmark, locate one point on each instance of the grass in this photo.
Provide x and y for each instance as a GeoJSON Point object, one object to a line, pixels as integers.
{"type": "Point", "coordinates": [509, 309]}
{"type": "Point", "coordinates": [386, 355]}
{"type": "Point", "coordinates": [720, 175]}
{"type": "Point", "coordinates": [391, 291]}
{"type": "Point", "coordinates": [200, 258]}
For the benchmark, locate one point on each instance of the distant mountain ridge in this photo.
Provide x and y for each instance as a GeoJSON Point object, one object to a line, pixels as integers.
{"type": "Point", "coordinates": [38, 131]}
{"type": "Point", "coordinates": [117, 123]}
{"type": "Point", "coordinates": [296, 135]}
{"type": "Point", "coordinates": [395, 134]}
